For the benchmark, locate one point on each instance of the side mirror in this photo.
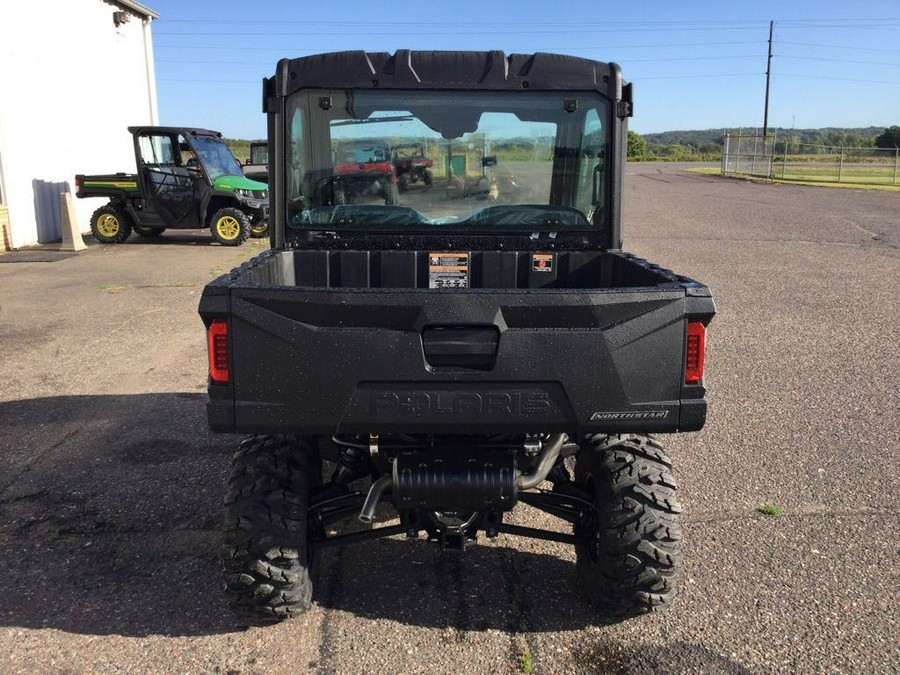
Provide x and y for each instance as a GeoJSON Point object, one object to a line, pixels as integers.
{"type": "Point", "coordinates": [489, 161]}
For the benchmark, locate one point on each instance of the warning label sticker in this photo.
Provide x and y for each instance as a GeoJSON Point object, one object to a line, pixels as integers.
{"type": "Point", "coordinates": [448, 270]}
{"type": "Point", "coordinates": [542, 262]}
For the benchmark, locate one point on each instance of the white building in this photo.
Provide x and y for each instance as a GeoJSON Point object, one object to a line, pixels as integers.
{"type": "Point", "coordinates": [73, 75]}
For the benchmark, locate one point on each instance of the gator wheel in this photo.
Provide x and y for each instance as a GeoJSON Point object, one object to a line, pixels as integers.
{"type": "Point", "coordinates": [266, 554]}
{"type": "Point", "coordinates": [147, 231]}
{"type": "Point", "coordinates": [110, 225]}
{"type": "Point", "coordinates": [260, 229]}
{"type": "Point", "coordinates": [230, 226]}
{"type": "Point", "coordinates": [631, 545]}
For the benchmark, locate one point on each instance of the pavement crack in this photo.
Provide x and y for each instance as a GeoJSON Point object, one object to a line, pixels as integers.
{"type": "Point", "coordinates": [37, 458]}
{"type": "Point", "coordinates": [30, 497]}
{"type": "Point", "coordinates": [789, 514]}
{"type": "Point", "coordinates": [127, 321]}
{"type": "Point", "coordinates": [521, 649]}
{"type": "Point", "coordinates": [876, 242]}
{"type": "Point", "coordinates": [329, 641]}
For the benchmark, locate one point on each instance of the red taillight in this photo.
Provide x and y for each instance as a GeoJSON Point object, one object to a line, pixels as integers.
{"type": "Point", "coordinates": [217, 337]}
{"type": "Point", "coordinates": [696, 350]}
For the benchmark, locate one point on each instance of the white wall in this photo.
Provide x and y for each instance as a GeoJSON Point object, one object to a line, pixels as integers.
{"type": "Point", "coordinates": [70, 84]}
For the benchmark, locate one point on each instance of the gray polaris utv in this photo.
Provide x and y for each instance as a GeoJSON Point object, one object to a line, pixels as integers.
{"type": "Point", "coordinates": [447, 358]}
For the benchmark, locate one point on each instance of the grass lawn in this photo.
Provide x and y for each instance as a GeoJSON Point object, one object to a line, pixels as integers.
{"type": "Point", "coordinates": [857, 177]}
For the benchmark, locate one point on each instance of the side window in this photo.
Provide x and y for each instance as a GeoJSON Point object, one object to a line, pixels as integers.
{"type": "Point", "coordinates": [297, 169]}
{"type": "Point", "coordinates": [259, 154]}
{"type": "Point", "coordinates": [157, 150]}
{"type": "Point", "coordinates": [186, 155]}
{"type": "Point", "coordinates": [591, 166]}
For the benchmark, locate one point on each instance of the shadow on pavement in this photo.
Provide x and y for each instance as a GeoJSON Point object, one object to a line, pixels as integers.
{"type": "Point", "coordinates": [489, 587]}
{"type": "Point", "coordinates": [604, 655]}
{"type": "Point", "coordinates": [109, 515]}
{"type": "Point", "coordinates": [109, 524]}
{"type": "Point", "coordinates": [170, 238]}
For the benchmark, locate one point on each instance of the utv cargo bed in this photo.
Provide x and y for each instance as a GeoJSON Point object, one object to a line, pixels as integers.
{"type": "Point", "coordinates": [595, 344]}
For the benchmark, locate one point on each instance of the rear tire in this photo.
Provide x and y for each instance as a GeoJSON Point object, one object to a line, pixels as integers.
{"type": "Point", "coordinates": [230, 226]}
{"type": "Point", "coordinates": [267, 554]}
{"type": "Point", "coordinates": [110, 224]}
{"type": "Point", "coordinates": [631, 546]}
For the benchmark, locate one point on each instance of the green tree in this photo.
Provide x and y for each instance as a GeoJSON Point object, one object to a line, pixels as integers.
{"type": "Point", "coordinates": [637, 146]}
{"type": "Point", "coordinates": [889, 139]}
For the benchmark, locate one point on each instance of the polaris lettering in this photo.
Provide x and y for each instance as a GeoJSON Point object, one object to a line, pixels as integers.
{"type": "Point", "coordinates": [454, 404]}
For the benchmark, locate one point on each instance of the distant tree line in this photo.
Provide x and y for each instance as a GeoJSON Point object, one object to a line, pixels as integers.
{"type": "Point", "coordinates": [239, 147]}
{"type": "Point", "coordinates": [889, 139]}
{"type": "Point", "coordinates": [703, 145]}
{"type": "Point", "coordinates": [706, 144]}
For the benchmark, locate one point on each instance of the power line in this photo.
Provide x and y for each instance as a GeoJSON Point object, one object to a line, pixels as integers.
{"type": "Point", "coordinates": [889, 27]}
{"type": "Point", "coordinates": [450, 33]}
{"type": "Point", "coordinates": [206, 79]}
{"type": "Point", "coordinates": [529, 49]}
{"type": "Point", "coordinates": [667, 77]}
{"type": "Point", "coordinates": [822, 58]}
{"type": "Point", "coordinates": [693, 77]}
{"type": "Point", "coordinates": [466, 24]}
{"type": "Point", "coordinates": [863, 49]}
{"type": "Point", "coordinates": [814, 23]}
{"type": "Point", "coordinates": [664, 59]}
{"type": "Point", "coordinates": [838, 79]}
{"type": "Point", "coordinates": [634, 79]}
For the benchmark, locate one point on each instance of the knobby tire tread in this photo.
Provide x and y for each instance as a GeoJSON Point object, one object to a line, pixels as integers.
{"type": "Point", "coordinates": [629, 556]}
{"type": "Point", "coordinates": [265, 552]}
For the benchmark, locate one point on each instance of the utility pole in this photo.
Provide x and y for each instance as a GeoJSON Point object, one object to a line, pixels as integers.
{"type": "Point", "coordinates": [768, 74]}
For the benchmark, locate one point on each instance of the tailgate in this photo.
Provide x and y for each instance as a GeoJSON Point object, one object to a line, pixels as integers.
{"type": "Point", "coordinates": [106, 185]}
{"type": "Point", "coordinates": [449, 361]}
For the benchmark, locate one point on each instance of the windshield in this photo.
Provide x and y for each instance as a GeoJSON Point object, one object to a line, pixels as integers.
{"type": "Point", "coordinates": [456, 160]}
{"type": "Point", "coordinates": [216, 157]}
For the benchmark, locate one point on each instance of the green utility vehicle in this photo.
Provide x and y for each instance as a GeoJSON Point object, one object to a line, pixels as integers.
{"type": "Point", "coordinates": [186, 179]}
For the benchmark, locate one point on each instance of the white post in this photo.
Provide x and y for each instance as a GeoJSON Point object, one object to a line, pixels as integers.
{"type": "Point", "coordinates": [725, 155]}
{"type": "Point", "coordinates": [71, 235]}
{"type": "Point", "coordinates": [770, 151]}
{"type": "Point", "coordinates": [784, 158]}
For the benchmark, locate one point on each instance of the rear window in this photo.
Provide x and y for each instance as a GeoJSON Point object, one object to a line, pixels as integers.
{"type": "Point", "coordinates": [451, 160]}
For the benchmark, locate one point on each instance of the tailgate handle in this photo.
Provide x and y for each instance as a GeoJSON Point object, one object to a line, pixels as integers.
{"type": "Point", "coordinates": [461, 346]}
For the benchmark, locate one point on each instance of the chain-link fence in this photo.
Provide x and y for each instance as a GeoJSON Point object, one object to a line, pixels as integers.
{"type": "Point", "coordinates": [788, 159]}
{"type": "Point", "coordinates": [748, 155]}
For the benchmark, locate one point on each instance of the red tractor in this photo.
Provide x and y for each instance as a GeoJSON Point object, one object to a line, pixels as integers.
{"type": "Point", "coordinates": [363, 167]}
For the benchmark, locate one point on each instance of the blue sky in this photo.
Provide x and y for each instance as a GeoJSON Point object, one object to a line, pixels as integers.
{"type": "Point", "coordinates": [695, 65]}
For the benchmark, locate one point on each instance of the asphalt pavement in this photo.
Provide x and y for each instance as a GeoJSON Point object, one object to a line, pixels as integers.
{"type": "Point", "coordinates": [111, 486]}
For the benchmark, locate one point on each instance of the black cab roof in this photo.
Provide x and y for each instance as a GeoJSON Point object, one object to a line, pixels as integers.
{"type": "Point", "coordinates": [174, 130]}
